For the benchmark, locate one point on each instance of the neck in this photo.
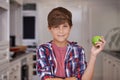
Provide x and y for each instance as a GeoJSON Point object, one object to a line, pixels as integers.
{"type": "Point", "coordinates": [60, 44]}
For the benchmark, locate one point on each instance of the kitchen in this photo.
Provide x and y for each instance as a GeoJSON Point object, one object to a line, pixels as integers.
{"type": "Point", "coordinates": [90, 18]}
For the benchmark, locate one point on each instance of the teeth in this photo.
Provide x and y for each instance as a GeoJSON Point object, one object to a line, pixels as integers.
{"type": "Point", "coordinates": [60, 35]}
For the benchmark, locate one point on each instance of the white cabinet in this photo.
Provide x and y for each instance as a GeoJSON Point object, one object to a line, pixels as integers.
{"type": "Point", "coordinates": [111, 68]}
{"type": "Point", "coordinates": [20, 2]}
{"type": "Point", "coordinates": [32, 67]}
{"type": "Point", "coordinates": [14, 71]}
{"type": "Point", "coordinates": [16, 21]}
{"type": "Point", "coordinates": [17, 69]}
{"type": "Point", "coordinates": [4, 71]}
{"type": "Point", "coordinates": [4, 31]}
{"type": "Point", "coordinates": [4, 52]}
{"type": "Point", "coordinates": [4, 20]}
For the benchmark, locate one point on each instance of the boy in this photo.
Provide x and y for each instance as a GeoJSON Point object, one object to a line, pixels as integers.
{"type": "Point", "coordinates": [61, 59]}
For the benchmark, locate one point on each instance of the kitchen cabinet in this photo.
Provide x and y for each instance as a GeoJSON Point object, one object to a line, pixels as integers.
{"type": "Point", "coordinates": [16, 20]}
{"type": "Point", "coordinates": [19, 68]}
{"type": "Point", "coordinates": [111, 69]}
{"type": "Point", "coordinates": [14, 71]}
{"type": "Point", "coordinates": [32, 67]}
{"type": "Point", "coordinates": [4, 72]}
{"type": "Point", "coordinates": [4, 52]}
{"type": "Point", "coordinates": [20, 2]}
{"type": "Point", "coordinates": [4, 31]}
{"type": "Point", "coordinates": [4, 20]}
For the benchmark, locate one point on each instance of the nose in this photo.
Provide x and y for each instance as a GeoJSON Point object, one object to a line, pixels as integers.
{"type": "Point", "coordinates": [61, 29]}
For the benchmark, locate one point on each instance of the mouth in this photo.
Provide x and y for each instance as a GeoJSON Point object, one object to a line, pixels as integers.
{"type": "Point", "coordinates": [61, 35]}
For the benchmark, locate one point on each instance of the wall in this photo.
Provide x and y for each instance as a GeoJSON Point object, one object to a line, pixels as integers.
{"type": "Point", "coordinates": [119, 13]}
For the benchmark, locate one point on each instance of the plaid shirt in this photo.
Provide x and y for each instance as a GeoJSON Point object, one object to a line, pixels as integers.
{"type": "Point", "coordinates": [75, 61]}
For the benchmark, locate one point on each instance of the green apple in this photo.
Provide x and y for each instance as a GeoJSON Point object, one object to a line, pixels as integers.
{"type": "Point", "coordinates": [95, 39]}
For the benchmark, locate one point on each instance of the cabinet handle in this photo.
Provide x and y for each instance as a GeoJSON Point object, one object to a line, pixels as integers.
{"type": "Point", "coordinates": [11, 72]}
{"type": "Point", "coordinates": [17, 66]}
{"type": "Point", "coordinates": [105, 59]}
{"type": "Point", "coordinates": [109, 61]}
{"type": "Point", "coordinates": [117, 61]}
{"type": "Point", "coordinates": [5, 55]}
{"type": "Point", "coordinates": [13, 69]}
{"type": "Point", "coordinates": [15, 77]}
{"type": "Point", "coordinates": [113, 65]}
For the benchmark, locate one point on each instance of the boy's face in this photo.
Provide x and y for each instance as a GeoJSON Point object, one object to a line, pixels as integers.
{"type": "Point", "coordinates": [61, 32]}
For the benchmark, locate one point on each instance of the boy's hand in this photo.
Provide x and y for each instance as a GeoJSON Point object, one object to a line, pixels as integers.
{"type": "Point", "coordinates": [98, 47]}
{"type": "Point", "coordinates": [53, 79]}
{"type": "Point", "coordinates": [71, 78]}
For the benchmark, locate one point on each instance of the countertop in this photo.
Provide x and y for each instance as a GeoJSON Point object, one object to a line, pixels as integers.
{"type": "Point", "coordinates": [112, 53]}
{"type": "Point", "coordinates": [19, 56]}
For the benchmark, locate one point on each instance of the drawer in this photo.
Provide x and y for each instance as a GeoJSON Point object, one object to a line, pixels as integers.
{"type": "Point", "coordinates": [4, 51]}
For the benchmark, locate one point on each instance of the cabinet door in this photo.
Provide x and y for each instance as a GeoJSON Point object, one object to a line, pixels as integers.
{"type": "Point", "coordinates": [107, 68]}
{"type": "Point", "coordinates": [5, 77]}
{"type": "Point", "coordinates": [111, 69]}
{"type": "Point", "coordinates": [118, 69]}
{"type": "Point", "coordinates": [115, 71]}
{"type": "Point", "coordinates": [105, 64]}
{"type": "Point", "coordinates": [15, 73]}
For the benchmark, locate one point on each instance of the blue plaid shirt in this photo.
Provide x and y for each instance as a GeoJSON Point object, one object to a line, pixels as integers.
{"type": "Point", "coordinates": [75, 61]}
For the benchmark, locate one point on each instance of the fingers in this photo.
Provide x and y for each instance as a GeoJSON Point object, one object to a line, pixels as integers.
{"type": "Point", "coordinates": [102, 39]}
{"type": "Point", "coordinates": [71, 78]}
{"type": "Point", "coordinates": [101, 43]}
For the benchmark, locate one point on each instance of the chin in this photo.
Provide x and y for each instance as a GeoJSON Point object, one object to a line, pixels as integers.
{"type": "Point", "coordinates": [62, 40]}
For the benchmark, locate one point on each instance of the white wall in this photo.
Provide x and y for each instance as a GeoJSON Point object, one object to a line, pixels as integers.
{"type": "Point", "coordinates": [119, 13]}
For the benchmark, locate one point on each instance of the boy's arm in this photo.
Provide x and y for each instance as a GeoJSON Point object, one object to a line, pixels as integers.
{"type": "Point", "coordinates": [54, 79]}
{"type": "Point", "coordinates": [88, 74]}
{"type": "Point", "coordinates": [70, 78]}
{"type": "Point", "coordinates": [42, 65]}
{"type": "Point", "coordinates": [96, 49]}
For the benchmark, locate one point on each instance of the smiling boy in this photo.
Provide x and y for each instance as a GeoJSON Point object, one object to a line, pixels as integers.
{"type": "Point", "coordinates": [61, 59]}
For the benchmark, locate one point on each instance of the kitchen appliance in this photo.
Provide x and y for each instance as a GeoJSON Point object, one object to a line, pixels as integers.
{"type": "Point", "coordinates": [24, 70]}
{"type": "Point", "coordinates": [12, 41]}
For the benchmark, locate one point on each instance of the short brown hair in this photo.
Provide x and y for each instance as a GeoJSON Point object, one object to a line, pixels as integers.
{"type": "Point", "coordinates": [59, 16]}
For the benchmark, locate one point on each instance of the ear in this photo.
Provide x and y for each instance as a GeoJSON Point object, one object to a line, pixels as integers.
{"type": "Point", "coordinates": [49, 28]}
{"type": "Point", "coordinates": [71, 27]}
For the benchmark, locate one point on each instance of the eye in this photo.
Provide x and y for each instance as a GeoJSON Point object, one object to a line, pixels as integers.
{"type": "Point", "coordinates": [55, 26]}
{"type": "Point", "coordinates": [65, 26]}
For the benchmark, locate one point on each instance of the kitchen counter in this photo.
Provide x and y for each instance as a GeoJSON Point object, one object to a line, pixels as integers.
{"type": "Point", "coordinates": [113, 53]}
{"type": "Point", "coordinates": [19, 56]}
{"type": "Point", "coordinates": [111, 65]}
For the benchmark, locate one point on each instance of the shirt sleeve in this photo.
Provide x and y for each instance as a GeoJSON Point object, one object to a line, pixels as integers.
{"type": "Point", "coordinates": [42, 64]}
{"type": "Point", "coordinates": [81, 63]}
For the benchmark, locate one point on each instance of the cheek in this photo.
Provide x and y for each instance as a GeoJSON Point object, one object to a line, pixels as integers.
{"type": "Point", "coordinates": [67, 31]}
{"type": "Point", "coordinates": [54, 34]}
